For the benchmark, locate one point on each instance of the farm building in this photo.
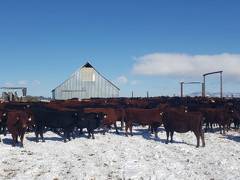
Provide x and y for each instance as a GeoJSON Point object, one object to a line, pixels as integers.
{"type": "Point", "coordinates": [85, 83]}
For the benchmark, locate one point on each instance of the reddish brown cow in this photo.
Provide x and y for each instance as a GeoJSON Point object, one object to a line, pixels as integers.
{"type": "Point", "coordinates": [182, 122]}
{"type": "Point", "coordinates": [152, 117]}
{"type": "Point", "coordinates": [113, 115]}
{"type": "Point", "coordinates": [17, 124]}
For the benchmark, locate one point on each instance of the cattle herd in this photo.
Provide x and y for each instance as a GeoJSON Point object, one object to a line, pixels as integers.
{"type": "Point", "coordinates": [68, 118]}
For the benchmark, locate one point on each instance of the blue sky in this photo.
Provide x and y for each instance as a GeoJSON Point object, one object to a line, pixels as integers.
{"type": "Point", "coordinates": [43, 42]}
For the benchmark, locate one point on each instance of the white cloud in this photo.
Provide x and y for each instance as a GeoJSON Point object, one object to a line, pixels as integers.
{"type": "Point", "coordinates": [9, 84]}
{"type": "Point", "coordinates": [167, 64]}
{"type": "Point", "coordinates": [36, 82]}
{"type": "Point", "coordinates": [122, 80]}
{"type": "Point", "coordinates": [23, 82]}
{"type": "Point", "coordinates": [134, 82]}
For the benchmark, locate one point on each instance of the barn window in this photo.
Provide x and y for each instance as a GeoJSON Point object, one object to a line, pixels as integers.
{"type": "Point", "coordinates": [88, 74]}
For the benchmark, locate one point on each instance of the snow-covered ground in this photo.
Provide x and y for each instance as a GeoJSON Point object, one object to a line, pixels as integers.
{"type": "Point", "coordinates": [114, 156]}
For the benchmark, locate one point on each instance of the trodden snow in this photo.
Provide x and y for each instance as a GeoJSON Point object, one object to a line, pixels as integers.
{"type": "Point", "coordinates": [113, 156]}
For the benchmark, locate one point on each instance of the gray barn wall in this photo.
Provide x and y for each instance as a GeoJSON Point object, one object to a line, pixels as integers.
{"type": "Point", "coordinates": [85, 83]}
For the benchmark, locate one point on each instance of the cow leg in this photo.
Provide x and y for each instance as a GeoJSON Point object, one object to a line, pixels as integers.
{"type": "Point", "coordinates": [41, 134]}
{"type": "Point", "coordinates": [172, 132]}
{"type": "Point", "coordinates": [115, 126]}
{"type": "Point", "coordinates": [220, 127]}
{"type": "Point", "coordinates": [126, 129]}
{"type": "Point", "coordinates": [14, 140]}
{"type": "Point", "coordinates": [122, 124]}
{"type": "Point", "coordinates": [68, 136]}
{"type": "Point", "coordinates": [207, 126]}
{"type": "Point", "coordinates": [4, 131]}
{"type": "Point", "coordinates": [74, 133]}
{"type": "Point", "coordinates": [224, 130]}
{"type": "Point", "coordinates": [211, 124]}
{"type": "Point", "coordinates": [167, 133]}
{"type": "Point", "coordinates": [93, 137]}
{"type": "Point", "coordinates": [21, 138]}
{"type": "Point", "coordinates": [89, 133]}
{"type": "Point", "coordinates": [202, 138]}
{"type": "Point", "coordinates": [152, 127]}
{"type": "Point", "coordinates": [81, 131]}
{"type": "Point", "coordinates": [149, 128]}
{"type": "Point", "coordinates": [155, 130]}
{"type": "Point", "coordinates": [17, 139]}
{"type": "Point", "coordinates": [65, 135]}
{"type": "Point", "coordinates": [36, 134]}
{"type": "Point", "coordinates": [198, 138]}
{"type": "Point", "coordinates": [131, 130]}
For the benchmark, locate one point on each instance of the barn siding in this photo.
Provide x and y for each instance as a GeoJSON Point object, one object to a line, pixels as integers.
{"type": "Point", "coordinates": [85, 83]}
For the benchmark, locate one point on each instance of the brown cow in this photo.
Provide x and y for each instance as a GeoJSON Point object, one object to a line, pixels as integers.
{"type": "Point", "coordinates": [17, 124]}
{"type": "Point", "coordinates": [113, 115]}
{"type": "Point", "coordinates": [182, 122]}
{"type": "Point", "coordinates": [152, 117]}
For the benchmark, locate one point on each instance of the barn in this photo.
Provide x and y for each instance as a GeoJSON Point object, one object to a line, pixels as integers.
{"type": "Point", "coordinates": [85, 83]}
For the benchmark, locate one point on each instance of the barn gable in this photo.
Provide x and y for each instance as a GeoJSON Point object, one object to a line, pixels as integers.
{"type": "Point", "coordinates": [85, 83]}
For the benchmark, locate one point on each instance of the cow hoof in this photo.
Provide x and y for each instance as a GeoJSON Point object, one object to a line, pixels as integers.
{"type": "Point", "coordinates": [166, 142]}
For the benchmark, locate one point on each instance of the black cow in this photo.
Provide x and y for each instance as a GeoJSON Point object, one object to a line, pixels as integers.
{"type": "Point", "coordinates": [54, 119]}
{"type": "Point", "coordinates": [91, 121]}
{"type": "Point", "coordinates": [3, 123]}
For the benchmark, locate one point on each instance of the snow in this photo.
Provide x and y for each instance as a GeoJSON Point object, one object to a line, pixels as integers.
{"type": "Point", "coordinates": [113, 156]}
